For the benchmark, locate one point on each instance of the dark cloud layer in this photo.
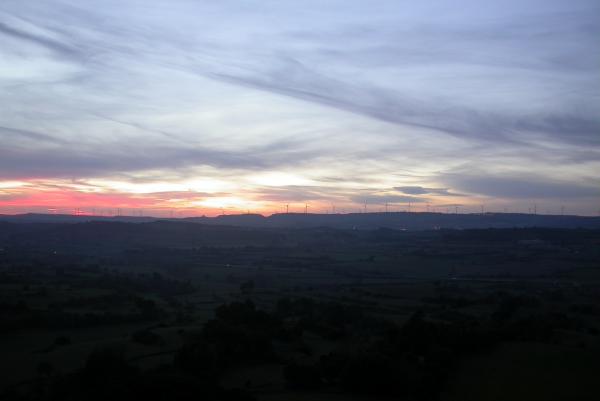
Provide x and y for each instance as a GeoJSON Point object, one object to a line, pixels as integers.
{"type": "Point", "coordinates": [390, 107]}
{"type": "Point", "coordinates": [26, 163]}
{"type": "Point", "coordinates": [380, 199]}
{"type": "Point", "coordinates": [530, 187]}
{"type": "Point", "coordinates": [16, 134]}
{"type": "Point", "coordinates": [55, 45]}
{"type": "Point", "coordinates": [418, 190]}
{"type": "Point", "coordinates": [296, 193]}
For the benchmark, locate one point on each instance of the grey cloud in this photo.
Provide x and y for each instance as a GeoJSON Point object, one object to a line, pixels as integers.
{"type": "Point", "coordinates": [300, 193]}
{"type": "Point", "coordinates": [455, 205]}
{"type": "Point", "coordinates": [12, 196]}
{"type": "Point", "coordinates": [569, 128]}
{"type": "Point", "coordinates": [138, 126]}
{"type": "Point", "coordinates": [188, 195]}
{"type": "Point", "coordinates": [32, 135]}
{"type": "Point", "coordinates": [418, 190]}
{"type": "Point", "coordinates": [521, 187]}
{"type": "Point", "coordinates": [296, 193]}
{"type": "Point", "coordinates": [384, 198]}
{"type": "Point", "coordinates": [284, 72]}
{"type": "Point", "coordinates": [296, 80]}
{"type": "Point", "coordinates": [528, 49]}
{"type": "Point", "coordinates": [54, 45]}
{"type": "Point", "coordinates": [82, 162]}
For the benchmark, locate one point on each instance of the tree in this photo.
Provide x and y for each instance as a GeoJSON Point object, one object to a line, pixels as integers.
{"type": "Point", "coordinates": [247, 287]}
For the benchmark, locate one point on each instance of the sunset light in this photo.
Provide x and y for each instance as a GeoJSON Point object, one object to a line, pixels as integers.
{"type": "Point", "coordinates": [335, 109]}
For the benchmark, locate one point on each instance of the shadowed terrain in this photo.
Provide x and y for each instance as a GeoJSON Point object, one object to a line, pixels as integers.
{"type": "Point", "coordinates": [168, 309]}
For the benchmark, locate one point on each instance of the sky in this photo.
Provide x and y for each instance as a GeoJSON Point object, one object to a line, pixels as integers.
{"type": "Point", "coordinates": [188, 107]}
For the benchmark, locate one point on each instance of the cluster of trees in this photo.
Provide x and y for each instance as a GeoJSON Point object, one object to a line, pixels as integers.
{"type": "Point", "coordinates": [238, 333]}
{"type": "Point", "coordinates": [121, 305]}
{"type": "Point", "coordinates": [331, 320]}
{"type": "Point", "coordinates": [107, 375]}
{"type": "Point", "coordinates": [20, 315]}
{"type": "Point", "coordinates": [154, 283]}
{"type": "Point", "coordinates": [414, 359]}
{"type": "Point", "coordinates": [374, 356]}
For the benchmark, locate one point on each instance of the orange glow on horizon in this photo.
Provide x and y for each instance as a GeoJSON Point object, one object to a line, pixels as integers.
{"type": "Point", "coordinates": [84, 198]}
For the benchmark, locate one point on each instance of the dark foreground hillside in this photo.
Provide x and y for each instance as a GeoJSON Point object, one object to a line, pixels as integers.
{"type": "Point", "coordinates": [173, 310]}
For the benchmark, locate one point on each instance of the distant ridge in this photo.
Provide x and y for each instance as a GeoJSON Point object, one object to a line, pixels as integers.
{"type": "Point", "coordinates": [359, 221]}
{"type": "Point", "coordinates": [69, 218]}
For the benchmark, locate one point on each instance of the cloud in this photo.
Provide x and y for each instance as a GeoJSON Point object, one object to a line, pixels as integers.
{"type": "Point", "coordinates": [470, 79]}
{"type": "Point", "coordinates": [381, 199]}
{"type": "Point", "coordinates": [45, 41]}
{"type": "Point", "coordinates": [183, 195]}
{"type": "Point", "coordinates": [83, 161]}
{"type": "Point", "coordinates": [297, 193]}
{"type": "Point", "coordinates": [392, 107]}
{"type": "Point", "coordinates": [418, 190]}
{"type": "Point", "coordinates": [521, 187]}
{"type": "Point", "coordinates": [32, 135]}
{"type": "Point", "coordinates": [9, 197]}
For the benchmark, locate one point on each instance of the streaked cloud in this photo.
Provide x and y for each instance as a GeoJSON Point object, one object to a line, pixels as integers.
{"type": "Point", "coordinates": [418, 190]}
{"type": "Point", "coordinates": [523, 187]}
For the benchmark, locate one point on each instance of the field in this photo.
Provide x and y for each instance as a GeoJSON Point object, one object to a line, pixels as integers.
{"type": "Point", "coordinates": [300, 314]}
